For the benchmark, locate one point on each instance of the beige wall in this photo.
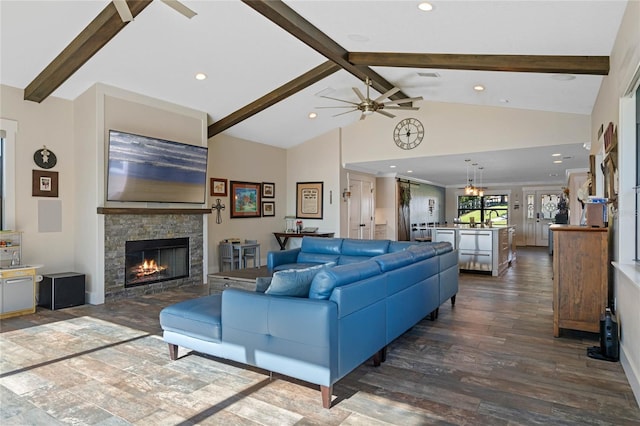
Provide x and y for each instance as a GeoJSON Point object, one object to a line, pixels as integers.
{"type": "Point", "coordinates": [458, 129]}
{"type": "Point", "coordinates": [625, 62]}
{"type": "Point", "coordinates": [317, 160]}
{"type": "Point", "coordinates": [49, 123]}
{"type": "Point", "coordinates": [240, 160]}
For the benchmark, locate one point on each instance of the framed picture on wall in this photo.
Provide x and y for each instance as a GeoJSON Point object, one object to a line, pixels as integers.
{"type": "Point", "coordinates": [44, 184]}
{"type": "Point", "coordinates": [218, 187]}
{"type": "Point", "coordinates": [268, 208]}
{"type": "Point", "coordinates": [309, 200]}
{"type": "Point", "coordinates": [268, 190]}
{"type": "Point", "coordinates": [245, 199]}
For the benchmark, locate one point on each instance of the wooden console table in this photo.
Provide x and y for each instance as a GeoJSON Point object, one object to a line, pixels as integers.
{"type": "Point", "coordinates": [283, 237]}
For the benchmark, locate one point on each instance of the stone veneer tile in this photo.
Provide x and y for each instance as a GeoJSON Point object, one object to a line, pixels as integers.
{"type": "Point", "coordinates": [122, 228]}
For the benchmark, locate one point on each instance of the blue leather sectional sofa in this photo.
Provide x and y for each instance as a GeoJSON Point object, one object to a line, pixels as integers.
{"type": "Point", "coordinates": [377, 291]}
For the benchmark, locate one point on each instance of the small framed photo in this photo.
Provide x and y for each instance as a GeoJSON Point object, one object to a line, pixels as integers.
{"type": "Point", "coordinates": [218, 187]}
{"type": "Point", "coordinates": [268, 190]}
{"type": "Point", "coordinates": [268, 208]}
{"type": "Point", "coordinates": [309, 200]}
{"type": "Point", "coordinates": [44, 184]}
{"type": "Point", "coordinates": [245, 199]}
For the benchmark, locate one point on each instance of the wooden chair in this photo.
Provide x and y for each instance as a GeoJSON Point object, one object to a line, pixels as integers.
{"type": "Point", "coordinates": [250, 253]}
{"type": "Point", "coordinates": [228, 256]}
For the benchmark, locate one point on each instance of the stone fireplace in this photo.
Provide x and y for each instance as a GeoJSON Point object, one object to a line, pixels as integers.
{"type": "Point", "coordinates": [182, 233]}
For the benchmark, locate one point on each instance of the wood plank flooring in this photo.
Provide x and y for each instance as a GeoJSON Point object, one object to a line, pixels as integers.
{"type": "Point", "coordinates": [491, 360]}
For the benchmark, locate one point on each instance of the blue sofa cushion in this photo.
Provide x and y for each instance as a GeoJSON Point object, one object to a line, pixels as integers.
{"type": "Point", "coordinates": [293, 282]}
{"type": "Point", "coordinates": [421, 251]}
{"type": "Point", "coordinates": [325, 281]}
{"type": "Point", "coordinates": [262, 284]}
{"type": "Point", "coordinates": [198, 318]}
{"type": "Point", "coordinates": [395, 246]}
{"type": "Point", "coordinates": [391, 261]}
{"type": "Point", "coordinates": [296, 266]}
{"type": "Point", "coordinates": [442, 247]}
{"type": "Point", "coordinates": [321, 245]}
{"type": "Point", "coordinates": [317, 258]}
{"type": "Point", "coordinates": [368, 248]}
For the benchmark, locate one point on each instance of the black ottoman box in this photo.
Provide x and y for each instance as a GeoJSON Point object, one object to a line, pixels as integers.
{"type": "Point", "coordinates": [62, 290]}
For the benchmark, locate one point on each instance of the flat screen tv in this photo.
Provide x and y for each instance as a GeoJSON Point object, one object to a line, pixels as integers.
{"type": "Point", "coordinates": [143, 168]}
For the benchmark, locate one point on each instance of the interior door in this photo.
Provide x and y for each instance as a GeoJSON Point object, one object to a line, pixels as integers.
{"type": "Point", "coordinates": [360, 209]}
{"type": "Point", "coordinates": [541, 208]}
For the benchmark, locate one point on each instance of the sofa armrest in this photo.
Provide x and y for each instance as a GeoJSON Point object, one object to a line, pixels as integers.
{"type": "Point", "coordinates": [282, 257]}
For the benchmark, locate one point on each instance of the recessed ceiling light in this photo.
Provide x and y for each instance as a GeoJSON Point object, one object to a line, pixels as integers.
{"type": "Point", "coordinates": [563, 77]}
{"type": "Point", "coordinates": [553, 174]}
{"type": "Point", "coordinates": [556, 154]}
{"type": "Point", "coordinates": [409, 171]}
{"type": "Point", "coordinates": [201, 76]}
{"type": "Point", "coordinates": [312, 115]}
{"type": "Point", "coordinates": [392, 167]}
{"type": "Point", "coordinates": [478, 88]}
{"type": "Point", "coordinates": [557, 161]}
{"type": "Point", "coordinates": [425, 6]}
{"type": "Point", "coordinates": [504, 101]}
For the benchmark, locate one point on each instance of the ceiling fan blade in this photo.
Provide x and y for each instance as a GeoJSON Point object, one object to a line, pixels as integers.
{"type": "Point", "coordinates": [385, 113]}
{"type": "Point", "coordinates": [386, 94]}
{"type": "Point", "coordinates": [340, 100]}
{"type": "Point", "coordinates": [339, 106]}
{"type": "Point", "coordinates": [401, 107]}
{"type": "Point", "coordinates": [123, 10]}
{"type": "Point", "coordinates": [402, 101]}
{"type": "Point", "coordinates": [347, 112]}
{"type": "Point", "coordinates": [359, 93]}
{"type": "Point", "coordinates": [180, 8]}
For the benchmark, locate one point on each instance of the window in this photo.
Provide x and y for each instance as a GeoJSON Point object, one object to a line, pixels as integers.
{"type": "Point", "coordinates": [493, 208]}
{"type": "Point", "coordinates": [8, 131]}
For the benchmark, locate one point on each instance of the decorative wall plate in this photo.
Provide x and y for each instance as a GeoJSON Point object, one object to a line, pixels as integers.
{"type": "Point", "coordinates": [45, 158]}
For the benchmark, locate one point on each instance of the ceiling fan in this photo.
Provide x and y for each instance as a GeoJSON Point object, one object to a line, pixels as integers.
{"type": "Point", "coordinates": [368, 106]}
{"type": "Point", "coordinates": [125, 13]}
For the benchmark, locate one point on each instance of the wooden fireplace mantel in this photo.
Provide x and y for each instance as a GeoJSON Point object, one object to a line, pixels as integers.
{"type": "Point", "coordinates": [141, 211]}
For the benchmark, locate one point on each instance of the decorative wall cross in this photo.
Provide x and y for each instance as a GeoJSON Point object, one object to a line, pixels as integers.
{"type": "Point", "coordinates": [218, 206]}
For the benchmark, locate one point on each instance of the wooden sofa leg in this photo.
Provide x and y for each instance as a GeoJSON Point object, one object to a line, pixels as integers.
{"type": "Point", "coordinates": [173, 352]}
{"type": "Point", "coordinates": [432, 315]}
{"type": "Point", "coordinates": [453, 300]}
{"type": "Point", "coordinates": [326, 392]}
{"type": "Point", "coordinates": [377, 358]}
{"type": "Point", "coordinates": [383, 354]}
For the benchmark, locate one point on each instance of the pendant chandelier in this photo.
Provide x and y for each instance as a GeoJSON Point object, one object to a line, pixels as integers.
{"type": "Point", "coordinates": [470, 188]}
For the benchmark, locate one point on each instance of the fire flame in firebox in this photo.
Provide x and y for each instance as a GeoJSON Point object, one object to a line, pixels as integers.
{"type": "Point", "coordinates": [149, 267]}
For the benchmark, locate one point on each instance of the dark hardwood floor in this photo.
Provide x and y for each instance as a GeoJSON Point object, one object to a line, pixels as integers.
{"type": "Point", "coordinates": [491, 360]}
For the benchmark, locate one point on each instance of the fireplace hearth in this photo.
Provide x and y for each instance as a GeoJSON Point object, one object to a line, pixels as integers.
{"type": "Point", "coordinates": [156, 260]}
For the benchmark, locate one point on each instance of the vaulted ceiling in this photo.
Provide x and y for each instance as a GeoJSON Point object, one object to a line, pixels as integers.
{"type": "Point", "coordinates": [267, 61]}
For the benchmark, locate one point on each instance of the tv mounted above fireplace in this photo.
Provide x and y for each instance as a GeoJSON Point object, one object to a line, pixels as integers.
{"type": "Point", "coordinates": [146, 169]}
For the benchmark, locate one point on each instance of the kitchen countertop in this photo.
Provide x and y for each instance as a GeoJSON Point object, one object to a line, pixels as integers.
{"type": "Point", "coordinates": [19, 267]}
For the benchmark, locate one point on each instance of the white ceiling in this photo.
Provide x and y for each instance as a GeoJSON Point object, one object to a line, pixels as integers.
{"type": "Point", "coordinates": [246, 56]}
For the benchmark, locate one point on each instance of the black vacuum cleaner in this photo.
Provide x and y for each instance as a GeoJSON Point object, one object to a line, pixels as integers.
{"type": "Point", "coordinates": [609, 349]}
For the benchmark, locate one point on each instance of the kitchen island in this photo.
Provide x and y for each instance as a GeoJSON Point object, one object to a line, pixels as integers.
{"type": "Point", "coordinates": [482, 249]}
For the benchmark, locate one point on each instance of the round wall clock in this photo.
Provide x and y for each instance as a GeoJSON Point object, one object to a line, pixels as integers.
{"type": "Point", "coordinates": [408, 133]}
{"type": "Point", "coordinates": [45, 158]}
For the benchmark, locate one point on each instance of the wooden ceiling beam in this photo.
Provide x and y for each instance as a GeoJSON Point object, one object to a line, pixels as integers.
{"type": "Point", "coordinates": [289, 20]}
{"type": "Point", "coordinates": [594, 65]}
{"type": "Point", "coordinates": [305, 80]}
{"type": "Point", "coordinates": [98, 33]}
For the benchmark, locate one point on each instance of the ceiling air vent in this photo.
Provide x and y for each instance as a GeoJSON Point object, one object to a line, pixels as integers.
{"type": "Point", "coordinates": [429, 74]}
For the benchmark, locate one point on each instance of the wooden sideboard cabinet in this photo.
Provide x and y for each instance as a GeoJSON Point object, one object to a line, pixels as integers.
{"type": "Point", "coordinates": [580, 277]}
